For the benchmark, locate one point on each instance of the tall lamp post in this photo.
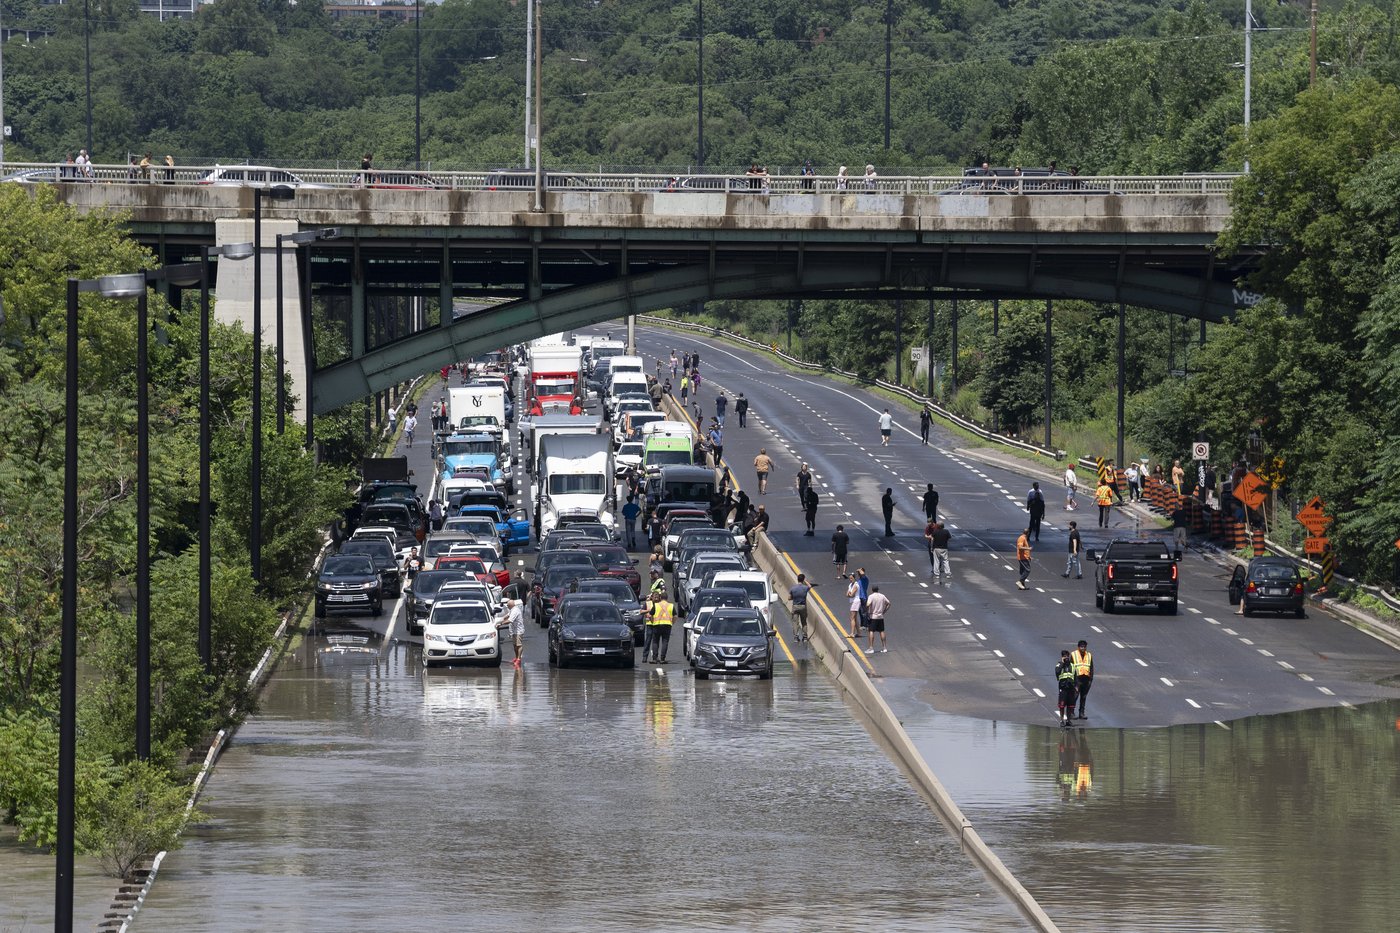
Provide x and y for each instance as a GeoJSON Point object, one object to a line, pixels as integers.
{"type": "Point", "coordinates": [302, 238]}
{"type": "Point", "coordinates": [417, 87]}
{"type": "Point", "coordinates": [229, 251]}
{"type": "Point", "coordinates": [700, 86]}
{"type": "Point", "coordinates": [276, 193]}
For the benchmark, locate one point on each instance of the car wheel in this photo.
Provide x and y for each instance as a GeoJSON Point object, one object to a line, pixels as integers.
{"type": "Point", "coordinates": [1246, 611]}
{"type": "Point", "coordinates": [766, 675]}
{"type": "Point", "coordinates": [701, 674]}
{"type": "Point", "coordinates": [496, 661]}
{"type": "Point", "coordinates": [629, 662]}
{"type": "Point", "coordinates": [1169, 608]}
{"type": "Point", "coordinates": [377, 609]}
{"type": "Point", "coordinates": [1107, 604]}
{"type": "Point", "coordinates": [1098, 599]}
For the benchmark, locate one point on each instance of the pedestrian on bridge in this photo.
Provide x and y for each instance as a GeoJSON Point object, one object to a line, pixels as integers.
{"type": "Point", "coordinates": [1103, 496]}
{"type": "Point", "coordinates": [1064, 680]}
{"type": "Point", "coordinates": [931, 503]}
{"type": "Point", "coordinates": [1023, 559]}
{"type": "Point", "coordinates": [939, 538]}
{"type": "Point", "coordinates": [435, 514]}
{"type": "Point", "coordinates": [875, 608]}
{"type": "Point", "coordinates": [887, 509]}
{"type": "Point", "coordinates": [1071, 482]}
{"type": "Point", "coordinates": [798, 596]}
{"type": "Point", "coordinates": [393, 420]}
{"type": "Point", "coordinates": [717, 440]}
{"type": "Point", "coordinates": [630, 511]}
{"type": "Point", "coordinates": [658, 628]}
{"type": "Point", "coordinates": [741, 408]}
{"type": "Point", "coordinates": [685, 390]}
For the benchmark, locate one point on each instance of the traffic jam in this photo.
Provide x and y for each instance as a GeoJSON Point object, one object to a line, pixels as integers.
{"type": "Point", "coordinates": [593, 523]}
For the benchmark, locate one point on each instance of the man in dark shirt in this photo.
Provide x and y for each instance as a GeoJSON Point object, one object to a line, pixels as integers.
{"type": "Point", "coordinates": [925, 421]}
{"type": "Point", "coordinates": [938, 539]}
{"type": "Point", "coordinates": [840, 545]}
{"type": "Point", "coordinates": [887, 509]}
{"type": "Point", "coordinates": [741, 408]}
{"type": "Point", "coordinates": [931, 503]}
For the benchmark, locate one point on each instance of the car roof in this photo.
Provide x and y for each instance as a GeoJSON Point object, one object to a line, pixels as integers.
{"type": "Point", "coordinates": [744, 575]}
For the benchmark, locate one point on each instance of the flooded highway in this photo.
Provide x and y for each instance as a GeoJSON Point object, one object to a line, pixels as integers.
{"type": "Point", "coordinates": [366, 795]}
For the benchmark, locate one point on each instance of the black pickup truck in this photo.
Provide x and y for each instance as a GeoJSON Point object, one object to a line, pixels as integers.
{"type": "Point", "coordinates": [1140, 573]}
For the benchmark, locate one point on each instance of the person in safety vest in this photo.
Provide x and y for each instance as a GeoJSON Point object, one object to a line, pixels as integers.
{"type": "Point", "coordinates": [658, 635]}
{"type": "Point", "coordinates": [1104, 497]}
{"type": "Point", "coordinates": [1064, 679]}
{"type": "Point", "coordinates": [1083, 673]}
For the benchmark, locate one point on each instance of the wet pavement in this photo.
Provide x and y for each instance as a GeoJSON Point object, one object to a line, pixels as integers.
{"type": "Point", "coordinates": [366, 795]}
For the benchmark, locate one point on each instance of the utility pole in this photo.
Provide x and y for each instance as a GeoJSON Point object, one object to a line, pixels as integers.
{"type": "Point", "coordinates": [529, 75]}
{"type": "Point", "coordinates": [1312, 59]}
{"type": "Point", "coordinates": [1049, 370]}
{"type": "Point", "coordinates": [700, 84]}
{"type": "Point", "coordinates": [889, 35]}
{"type": "Point", "coordinates": [899, 341]}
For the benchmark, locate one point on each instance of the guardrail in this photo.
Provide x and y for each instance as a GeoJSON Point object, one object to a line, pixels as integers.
{"type": "Point", "coordinates": [238, 175]}
{"type": "Point", "coordinates": [966, 424]}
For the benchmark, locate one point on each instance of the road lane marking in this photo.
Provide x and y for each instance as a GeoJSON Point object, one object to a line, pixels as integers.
{"type": "Point", "coordinates": [1246, 641]}
{"type": "Point", "coordinates": [981, 636]}
{"type": "Point", "coordinates": [1118, 644]}
{"type": "Point", "coordinates": [1223, 726]}
{"type": "Point", "coordinates": [1017, 672]}
{"type": "Point", "coordinates": [1038, 692]}
{"type": "Point", "coordinates": [1229, 631]}
{"type": "Point", "coordinates": [1326, 691]}
{"type": "Point", "coordinates": [998, 653]}
{"type": "Point", "coordinates": [1056, 600]}
{"type": "Point", "coordinates": [1193, 609]}
{"type": "Point", "coordinates": [1167, 682]}
{"type": "Point", "coordinates": [1285, 665]}
{"type": "Point", "coordinates": [1141, 662]}
{"type": "Point", "coordinates": [1266, 653]}
{"type": "Point", "coordinates": [1193, 703]}
{"type": "Point", "coordinates": [1096, 629]}
{"type": "Point", "coordinates": [1305, 677]}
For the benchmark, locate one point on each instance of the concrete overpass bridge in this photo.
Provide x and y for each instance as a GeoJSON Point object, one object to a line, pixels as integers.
{"type": "Point", "coordinates": [607, 245]}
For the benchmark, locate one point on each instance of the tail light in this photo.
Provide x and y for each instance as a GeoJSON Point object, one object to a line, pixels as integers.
{"type": "Point", "coordinates": [1252, 587]}
{"type": "Point", "coordinates": [1110, 571]}
{"type": "Point", "coordinates": [1173, 573]}
{"type": "Point", "coordinates": [1297, 589]}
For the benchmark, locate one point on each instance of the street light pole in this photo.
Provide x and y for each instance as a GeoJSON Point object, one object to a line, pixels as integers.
{"type": "Point", "coordinates": [529, 75]}
{"type": "Point", "coordinates": [889, 36]}
{"type": "Point", "coordinates": [87, 71]}
{"type": "Point", "coordinates": [1248, 66]}
{"type": "Point", "coordinates": [700, 84]}
{"type": "Point", "coordinates": [277, 193]}
{"type": "Point", "coordinates": [417, 88]}
{"type": "Point", "coordinates": [143, 531]}
{"type": "Point", "coordinates": [539, 92]}
{"type": "Point", "coordinates": [68, 650]}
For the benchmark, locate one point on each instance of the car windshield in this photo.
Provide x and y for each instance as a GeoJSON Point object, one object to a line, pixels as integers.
{"type": "Point", "coordinates": [495, 500]}
{"type": "Point", "coordinates": [618, 590]}
{"type": "Point", "coordinates": [461, 448]}
{"type": "Point", "coordinates": [756, 589]}
{"type": "Point", "coordinates": [429, 582]}
{"type": "Point", "coordinates": [381, 548]}
{"type": "Point", "coordinates": [479, 421]}
{"type": "Point", "coordinates": [461, 615]}
{"type": "Point", "coordinates": [473, 526]}
{"type": "Point", "coordinates": [630, 449]}
{"type": "Point", "coordinates": [554, 387]}
{"type": "Point", "coordinates": [677, 491]}
{"type": "Point", "coordinates": [465, 564]}
{"type": "Point", "coordinates": [565, 557]}
{"type": "Point", "coordinates": [593, 613]}
{"type": "Point", "coordinates": [676, 524]}
{"type": "Point", "coordinates": [1274, 573]}
{"type": "Point", "coordinates": [733, 625]}
{"type": "Point", "coordinates": [611, 556]}
{"type": "Point", "coordinates": [719, 540]}
{"type": "Point", "coordinates": [347, 566]}
{"type": "Point", "coordinates": [436, 547]}
{"type": "Point", "coordinates": [385, 515]}
{"type": "Point", "coordinates": [668, 457]}
{"type": "Point", "coordinates": [556, 577]}
{"type": "Point", "coordinates": [576, 484]}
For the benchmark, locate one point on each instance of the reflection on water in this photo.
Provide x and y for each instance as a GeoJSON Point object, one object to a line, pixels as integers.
{"type": "Point", "coordinates": [368, 795]}
{"type": "Point", "coordinates": [1274, 824]}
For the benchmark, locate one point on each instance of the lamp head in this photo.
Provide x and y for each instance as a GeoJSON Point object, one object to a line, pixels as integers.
{"type": "Point", "coordinates": [277, 192]}
{"type": "Point", "coordinates": [182, 274]}
{"type": "Point", "coordinates": [233, 251]}
{"type": "Point", "coordinates": [122, 286]}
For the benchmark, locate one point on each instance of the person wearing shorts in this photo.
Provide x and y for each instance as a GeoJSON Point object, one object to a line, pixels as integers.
{"type": "Point", "coordinates": [875, 608]}
{"type": "Point", "coordinates": [886, 425]}
{"type": "Point", "coordinates": [840, 544]}
{"type": "Point", "coordinates": [798, 595]}
{"type": "Point", "coordinates": [516, 624]}
{"type": "Point", "coordinates": [853, 591]}
{"type": "Point", "coordinates": [1069, 690]}
{"type": "Point", "coordinates": [763, 465]}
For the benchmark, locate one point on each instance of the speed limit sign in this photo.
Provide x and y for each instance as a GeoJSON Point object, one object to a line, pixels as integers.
{"type": "Point", "coordinates": [1200, 451]}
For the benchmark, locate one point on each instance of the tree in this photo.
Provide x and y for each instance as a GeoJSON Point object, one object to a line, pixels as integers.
{"type": "Point", "coordinates": [1014, 374]}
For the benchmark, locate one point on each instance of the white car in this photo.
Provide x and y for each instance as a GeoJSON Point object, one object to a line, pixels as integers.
{"type": "Point", "coordinates": [480, 527]}
{"type": "Point", "coordinates": [629, 454]}
{"type": "Point", "coordinates": [253, 176]}
{"type": "Point", "coordinates": [753, 582]}
{"type": "Point", "coordinates": [391, 534]}
{"type": "Point", "coordinates": [460, 631]}
{"type": "Point", "coordinates": [474, 589]}
{"type": "Point", "coordinates": [633, 422]}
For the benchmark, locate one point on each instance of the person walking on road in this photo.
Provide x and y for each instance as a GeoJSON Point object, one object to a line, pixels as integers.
{"type": "Point", "coordinates": [1064, 679]}
{"type": "Point", "coordinates": [887, 509]}
{"type": "Point", "coordinates": [886, 426]}
{"type": "Point", "coordinates": [863, 591]}
{"type": "Point", "coordinates": [435, 514]}
{"type": "Point", "coordinates": [721, 407]}
{"type": "Point", "coordinates": [515, 624]}
{"type": "Point", "coordinates": [658, 633]}
{"type": "Point", "coordinates": [1035, 507]}
{"type": "Point", "coordinates": [1083, 673]}
{"type": "Point", "coordinates": [741, 408]}
{"type": "Point", "coordinates": [1071, 483]}
{"type": "Point", "coordinates": [717, 441]}
{"type": "Point", "coordinates": [1023, 559]}
{"type": "Point", "coordinates": [803, 481]}
{"type": "Point", "coordinates": [1134, 479]}
{"type": "Point", "coordinates": [931, 503]}
{"type": "Point", "coordinates": [410, 425]}
{"type": "Point", "coordinates": [798, 597]}
{"type": "Point", "coordinates": [875, 608]}
{"type": "Point", "coordinates": [1104, 497]}
{"type": "Point", "coordinates": [938, 540]}
{"type": "Point", "coordinates": [1181, 524]}
{"type": "Point", "coordinates": [840, 545]}
{"type": "Point", "coordinates": [630, 511]}
{"type": "Point", "coordinates": [393, 420]}
{"type": "Point", "coordinates": [925, 422]}
{"type": "Point", "coordinates": [685, 390]}
{"type": "Point", "coordinates": [763, 465]}
{"type": "Point", "coordinates": [1074, 547]}
{"type": "Point", "coordinates": [853, 594]}
{"type": "Point", "coordinates": [809, 506]}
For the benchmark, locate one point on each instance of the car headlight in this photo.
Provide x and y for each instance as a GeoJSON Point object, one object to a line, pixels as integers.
{"type": "Point", "coordinates": [429, 636]}
{"type": "Point", "coordinates": [372, 585]}
{"type": "Point", "coordinates": [322, 587]}
{"type": "Point", "coordinates": [626, 633]}
{"type": "Point", "coordinates": [488, 636]}
{"type": "Point", "coordinates": [568, 632]}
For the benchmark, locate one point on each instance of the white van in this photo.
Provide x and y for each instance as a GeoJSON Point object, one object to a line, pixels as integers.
{"type": "Point", "coordinates": [753, 582]}
{"type": "Point", "coordinates": [620, 384]}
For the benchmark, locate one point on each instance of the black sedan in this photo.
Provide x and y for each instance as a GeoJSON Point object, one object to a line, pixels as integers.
{"type": "Point", "coordinates": [546, 590]}
{"type": "Point", "coordinates": [735, 641]}
{"type": "Point", "coordinates": [382, 553]}
{"type": "Point", "coordinates": [588, 627]}
{"type": "Point", "coordinates": [623, 598]}
{"type": "Point", "coordinates": [1269, 584]}
{"type": "Point", "coordinates": [423, 593]}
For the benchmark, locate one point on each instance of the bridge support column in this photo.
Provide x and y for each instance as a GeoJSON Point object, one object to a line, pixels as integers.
{"type": "Point", "coordinates": [953, 357]}
{"type": "Point", "coordinates": [1122, 343]}
{"type": "Point", "coordinates": [234, 298]}
{"type": "Point", "coordinates": [445, 286]}
{"type": "Point", "coordinates": [1049, 368]}
{"type": "Point", "coordinates": [898, 340]}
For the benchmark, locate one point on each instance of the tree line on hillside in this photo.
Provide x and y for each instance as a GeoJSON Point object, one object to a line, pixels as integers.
{"type": "Point", "coordinates": [1111, 87]}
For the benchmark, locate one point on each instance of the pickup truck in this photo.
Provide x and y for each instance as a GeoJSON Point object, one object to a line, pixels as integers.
{"type": "Point", "coordinates": [1140, 573]}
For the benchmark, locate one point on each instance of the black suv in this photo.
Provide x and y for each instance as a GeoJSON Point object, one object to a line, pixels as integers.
{"type": "Point", "coordinates": [349, 581]}
{"type": "Point", "coordinates": [382, 553]}
{"type": "Point", "coordinates": [1269, 584]}
{"type": "Point", "coordinates": [588, 627]}
{"type": "Point", "coordinates": [735, 641]}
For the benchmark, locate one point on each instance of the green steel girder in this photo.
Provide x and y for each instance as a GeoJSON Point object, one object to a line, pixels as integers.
{"type": "Point", "coordinates": [579, 306]}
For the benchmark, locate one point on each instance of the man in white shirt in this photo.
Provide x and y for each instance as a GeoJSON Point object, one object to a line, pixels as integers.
{"type": "Point", "coordinates": [1070, 482]}
{"type": "Point", "coordinates": [886, 426]}
{"type": "Point", "coordinates": [515, 622]}
{"type": "Point", "coordinates": [875, 607]}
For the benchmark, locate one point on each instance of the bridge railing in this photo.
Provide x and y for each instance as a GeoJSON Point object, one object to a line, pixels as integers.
{"type": "Point", "coordinates": [629, 183]}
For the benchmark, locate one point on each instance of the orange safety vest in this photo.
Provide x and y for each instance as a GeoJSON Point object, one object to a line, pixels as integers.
{"type": "Point", "coordinates": [1103, 494]}
{"type": "Point", "coordinates": [1083, 662]}
{"type": "Point", "coordinates": [1023, 548]}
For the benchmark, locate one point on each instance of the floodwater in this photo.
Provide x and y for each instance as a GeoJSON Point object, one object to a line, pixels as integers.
{"type": "Point", "coordinates": [1272, 824]}
{"type": "Point", "coordinates": [366, 795]}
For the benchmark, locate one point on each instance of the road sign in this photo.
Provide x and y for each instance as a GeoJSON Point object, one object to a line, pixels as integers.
{"type": "Point", "coordinates": [1313, 517]}
{"type": "Point", "coordinates": [1200, 451]}
{"type": "Point", "coordinates": [1315, 545]}
{"type": "Point", "coordinates": [1250, 491]}
{"type": "Point", "coordinates": [1329, 567]}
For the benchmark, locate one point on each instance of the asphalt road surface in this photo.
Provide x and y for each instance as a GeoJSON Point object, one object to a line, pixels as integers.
{"type": "Point", "coordinates": [977, 645]}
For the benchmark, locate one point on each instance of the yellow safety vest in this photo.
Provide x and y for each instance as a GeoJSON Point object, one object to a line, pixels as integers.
{"type": "Point", "coordinates": [1104, 495]}
{"type": "Point", "coordinates": [1083, 662]}
{"type": "Point", "coordinates": [660, 613]}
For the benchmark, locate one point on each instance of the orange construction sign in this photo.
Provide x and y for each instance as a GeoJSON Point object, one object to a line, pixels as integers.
{"type": "Point", "coordinates": [1315, 545]}
{"type": "Point", "coordinates": [1250, 491]}
{"type": "Point", "coordinates": [1314, 518]}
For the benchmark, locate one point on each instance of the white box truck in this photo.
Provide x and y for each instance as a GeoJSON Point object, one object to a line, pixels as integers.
{"type": "Point", "coordinates": [541, 426]}
{"type": "Point", "coordinates": [481, 409]}
{"type": "Point", "coordinates": [575, 481]}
